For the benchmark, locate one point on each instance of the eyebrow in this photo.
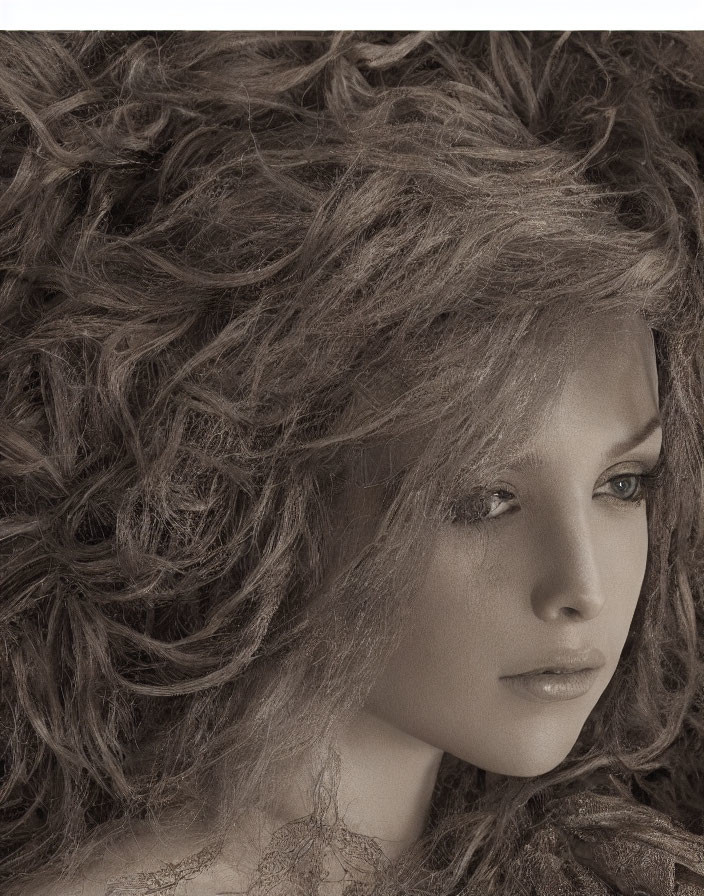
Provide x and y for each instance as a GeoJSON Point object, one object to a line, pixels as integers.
{"type": "Point", "coordinates": [637, 438]}
{"type": "Point", "coordinates": [531, 460]}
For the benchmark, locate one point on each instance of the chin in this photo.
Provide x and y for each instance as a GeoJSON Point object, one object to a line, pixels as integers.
{"type": "Point", "coordinates": [534, 753]}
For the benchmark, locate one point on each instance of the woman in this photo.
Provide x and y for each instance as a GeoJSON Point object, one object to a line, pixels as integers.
{"type": "Point", "coordinates": [352, 464]}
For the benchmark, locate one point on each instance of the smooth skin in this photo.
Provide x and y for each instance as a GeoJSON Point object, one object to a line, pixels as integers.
{"type": "Point", "coordinates": [560, 565]}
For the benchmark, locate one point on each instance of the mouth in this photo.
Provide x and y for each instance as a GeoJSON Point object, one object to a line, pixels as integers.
{"type": "Point", "coordinates": [566, 676]}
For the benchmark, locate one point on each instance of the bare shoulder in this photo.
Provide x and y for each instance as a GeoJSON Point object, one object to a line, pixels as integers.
{"type": "Point", "coordinates": [79, 887]}
{"type": "Point", "coordinates": [149, 865]}
{"type": "Point", "coordinates": [187, 861]}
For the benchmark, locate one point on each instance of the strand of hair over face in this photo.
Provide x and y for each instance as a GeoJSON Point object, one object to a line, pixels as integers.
{"type": "Point", "coordinates": [246, 274]}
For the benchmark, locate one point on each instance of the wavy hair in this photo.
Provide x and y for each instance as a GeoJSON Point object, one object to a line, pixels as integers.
{"type": "Point", "coordinates": [243, 274]}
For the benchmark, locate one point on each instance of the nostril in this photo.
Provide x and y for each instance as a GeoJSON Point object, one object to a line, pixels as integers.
{"type": "Point", "coordinates": [570, 612]}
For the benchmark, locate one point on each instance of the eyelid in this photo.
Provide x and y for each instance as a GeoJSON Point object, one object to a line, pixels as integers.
{"type": "Point", "coordinates": [650, 475]}
{"type": "Point", "coordinates": [647, 485]}
{"type": "Point", "coordinates": [458, 507]}
{"type": "Point", "coordinates": [634, 467]}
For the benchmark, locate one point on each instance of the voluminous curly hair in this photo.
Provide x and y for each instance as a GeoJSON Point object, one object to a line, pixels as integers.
{"type": "Point", "coordinates": [242, 274]}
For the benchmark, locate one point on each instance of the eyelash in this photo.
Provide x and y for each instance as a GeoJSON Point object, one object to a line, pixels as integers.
{"type": "Point", "coordinates": [648, 483]}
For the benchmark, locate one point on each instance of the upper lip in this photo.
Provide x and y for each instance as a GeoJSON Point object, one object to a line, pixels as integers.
{"type": "Point", "coordinates": [566, 661]}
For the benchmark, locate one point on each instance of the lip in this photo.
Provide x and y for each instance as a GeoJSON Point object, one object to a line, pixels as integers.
{"type": "Point", "coordinates": [566, 675]}
{"type": "Point", "coordinates": [565, 661]}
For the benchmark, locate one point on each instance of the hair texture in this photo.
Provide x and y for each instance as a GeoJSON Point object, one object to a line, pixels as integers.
{"type": "Point", "coordinates": [243, 274]}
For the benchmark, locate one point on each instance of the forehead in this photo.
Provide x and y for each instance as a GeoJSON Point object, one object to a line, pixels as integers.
{"type": "Point", "coordinates": [615, 372]}
{"type": "Point", "coordinates": [597, 379]}
{"type": "Point", "coordinates": [607, 396]}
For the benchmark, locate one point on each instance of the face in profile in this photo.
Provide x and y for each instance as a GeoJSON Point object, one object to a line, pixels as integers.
{"type": "Point", "coordinates": [521, 618]}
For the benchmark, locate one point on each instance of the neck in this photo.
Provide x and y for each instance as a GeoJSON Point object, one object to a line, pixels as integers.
{"type": "Point", "coordinates": [386, 781]}
{"type": "Point", "coordinates": [385, 787]}
{"type": "Point", "coordinates": [386, 784]}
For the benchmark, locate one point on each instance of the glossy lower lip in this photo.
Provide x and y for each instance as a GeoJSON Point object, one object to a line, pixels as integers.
{"type": "Point", "coordinates": [551, 686]}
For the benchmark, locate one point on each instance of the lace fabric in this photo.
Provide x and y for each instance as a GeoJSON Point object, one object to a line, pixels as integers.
{"type": "Point", "coordinates": [307, 855]}
{"type": "Point", "coordinates": [588, 846]}
{"type": "Point", "coordinates": [582, 845]}
{"type": "Point", "coordinates": [166, 879]}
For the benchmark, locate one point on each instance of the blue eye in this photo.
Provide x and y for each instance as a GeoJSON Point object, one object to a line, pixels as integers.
{"type": "Point", "coordinates": [631, 488]}
{"type": "Point", "coordinates": [628, 487]}
{"type": "Point", "coordinates": [483, 506]}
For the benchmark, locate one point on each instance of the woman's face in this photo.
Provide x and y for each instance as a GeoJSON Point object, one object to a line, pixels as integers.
{"type": "Point", "coordinates": [542, 576]}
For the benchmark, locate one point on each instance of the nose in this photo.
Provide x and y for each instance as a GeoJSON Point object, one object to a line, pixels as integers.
{"type": "Point", "coordinates": [569, 580]}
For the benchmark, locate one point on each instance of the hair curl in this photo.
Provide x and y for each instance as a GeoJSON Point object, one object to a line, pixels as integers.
{"type": "Point", "coordinates": [243, 272]}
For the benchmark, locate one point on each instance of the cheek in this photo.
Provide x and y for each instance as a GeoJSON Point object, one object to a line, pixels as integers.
{"type": "Point", "coordinates": [623, 555]}
{"type": "Point", "coordinates": [471, 621]}
{"type": "Point", "coordinates": [441, 681]}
